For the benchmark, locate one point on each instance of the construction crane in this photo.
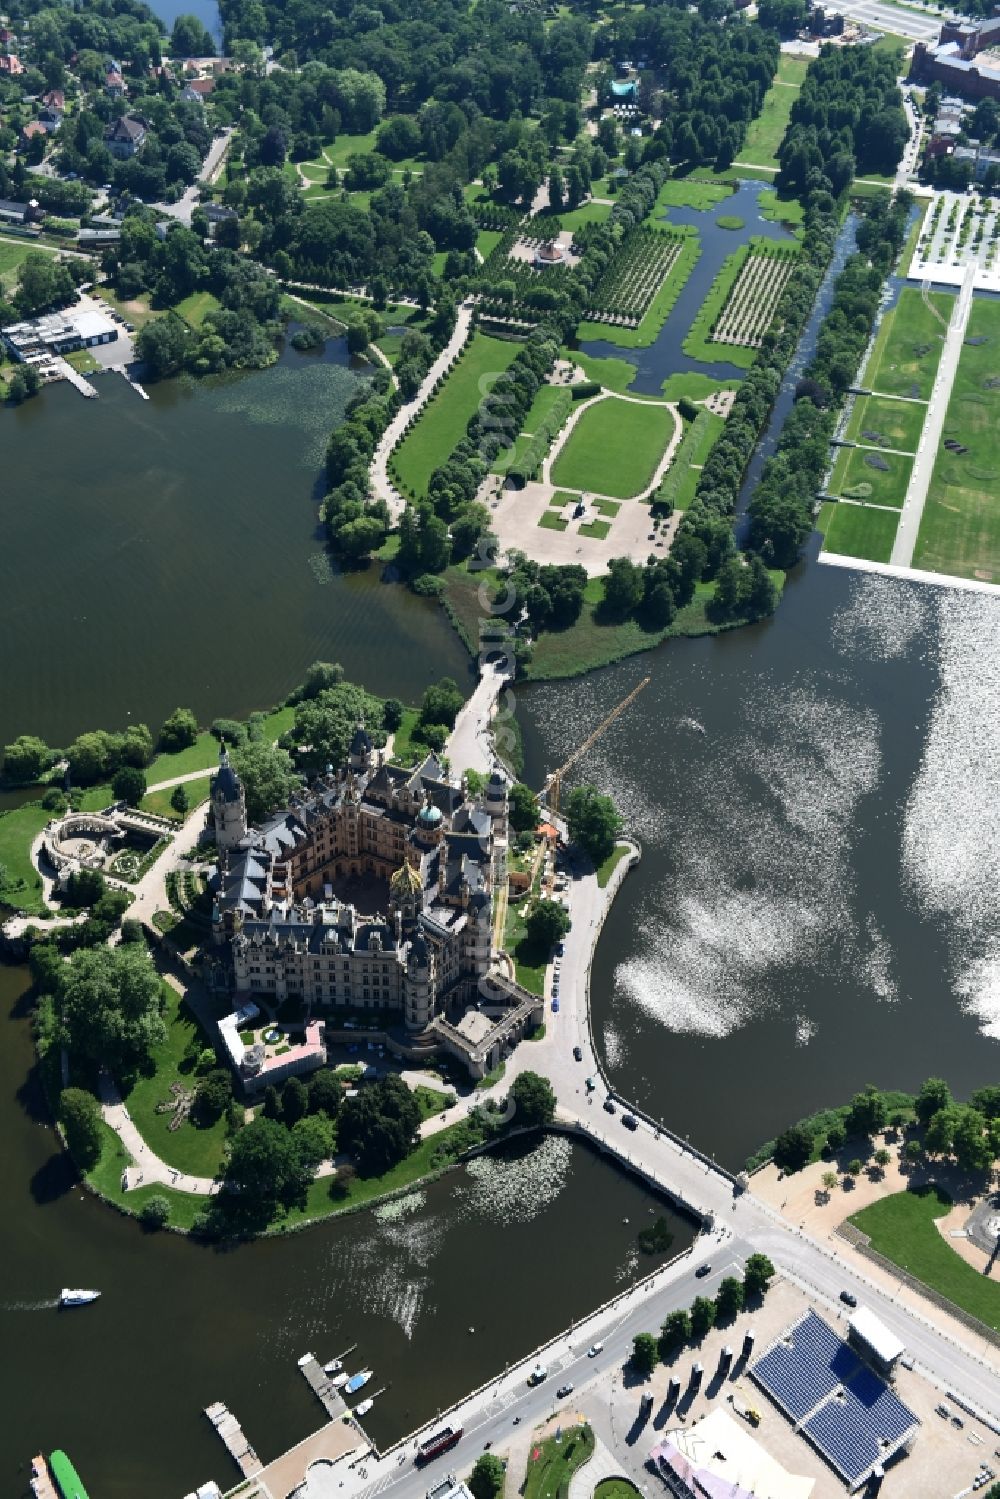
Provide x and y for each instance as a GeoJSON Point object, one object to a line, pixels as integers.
{"type": "Point", "coordinates": [553, 785]}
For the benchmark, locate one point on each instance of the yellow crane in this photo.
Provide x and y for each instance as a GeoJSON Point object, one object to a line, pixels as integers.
{"type": "Point", "coordinates": [553, 785]}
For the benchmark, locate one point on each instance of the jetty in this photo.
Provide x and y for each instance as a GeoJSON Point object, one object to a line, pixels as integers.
{"type": "Point", "coordinates": [67, 372]}
{"type": "Point", "coordinates": [134, 383]}
{"type": "Point", "coordinates": [322, 1386]}
{"type": "Point", "coordinates": [231, 1432]}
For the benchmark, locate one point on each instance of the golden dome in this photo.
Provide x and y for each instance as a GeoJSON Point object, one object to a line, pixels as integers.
{"type": "Point", "coordinates": [406, 881]}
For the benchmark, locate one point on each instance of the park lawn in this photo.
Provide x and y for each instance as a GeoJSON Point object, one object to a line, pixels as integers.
{"type": "Point", "coordinates": [857, 531]}
{"type": "Point", "coordinates": [552, 1463]}
{"type": "Point", "coordinates": [960, 529]}
{"type": "Point", "coordinates": [550, 521]}
{"type": "Point", "coordinates": [190, 1148]}
{"type": "Point", "coordinates": [158, 802]}
{"type": "Point", "coordinates": [898, 424]}
{"type": "Point", "coordinates": [443, 421]}
{"type": "Point", "coordinates": [908, 347]}
{"type": "Point", "coordinates": [659, 308]}
{"type": "Point", "coordinates": [195, 308]}
{"type": "Point", "coordinates": [405, 749]}
{"type": "Point", "coordinates": [695, 386]}
{"type": "Point", "coordinates": [335, 153]}
{"type": "Point", "coordinates": [613, 373]}
{"type": "Point", "coordinates": [682, 192]}
{"type": "Point", "coordinates": [766, 132]}
{"type": "Point", "coordinates": [615, 1488]}
{"type": "Point", "coordinates": [136, 310]}
{"type": "Point", "coordinates": [901, 1228]}
{"type": "Point", "coordinates": [782, 208]}
{"type": "Point", "coordinates": [887, 486]}
{"type": "Point", "coordinates": [614, 447]}
{"type": "Point", "coordinates": [82, 360]}
{"type": "Point", "coordinates": [487, 241]}
{"type": "Point", "coordinates": [12, 254]}
{"type": "Point", "coordinates": [431, 1100]}
{"type": "Point", "coordinates": [18, 830]}
{"type": "Point", "coordinates": [679, 483]}
{"type": "Point", "coordinates": [607, 869]}
{"type": "Point", "coordinates": [106, 1179]}
{"type": "Point", "coordinates": [204, 753]}
{"type": "Point", "coordinates": [573, 218]}
{"type": "Point", "coordinates": [530, 959]}
{"type": "Point", "coordinates": [595, 530]}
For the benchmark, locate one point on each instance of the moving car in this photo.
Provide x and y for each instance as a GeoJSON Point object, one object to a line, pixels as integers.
{"type": "Point", "coordinates": [595, 1349]}
{"type": "Point", "coordinates": [848, 1298]}
{"type": "Point", "coordinates": [563, 1391]}
{"type": "Point", "coordinates": [703, 1270]}
{"type": "Point", "coordinates": [577, 1054]}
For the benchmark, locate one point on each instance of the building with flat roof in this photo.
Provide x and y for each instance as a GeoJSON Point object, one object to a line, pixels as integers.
{"type": "Point", "coordinates": [40, 338]}
{"type": "Point", "coordinates": [874, 1341]}
{"type": "Point", "coordinates": [717, 1458]}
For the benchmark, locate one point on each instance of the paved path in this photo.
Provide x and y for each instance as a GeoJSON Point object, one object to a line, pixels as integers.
{"type": "Point", "coordinates": [211, 166]}
{"type": "Point", "coordinates": [469, 745]}
{"type": "Point", "coordinates": [381, 483]}
{"type": "Point", "coordinates": [146, 1169]}
{"type": "Point", "coordinates": [930, 438]}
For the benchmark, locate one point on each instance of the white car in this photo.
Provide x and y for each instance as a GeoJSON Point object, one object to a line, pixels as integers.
{"type": "Point", "coordinates": [595, 1349]}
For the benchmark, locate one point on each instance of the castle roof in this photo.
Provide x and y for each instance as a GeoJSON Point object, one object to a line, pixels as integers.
{"type": "Point", "coordinates": [225, 782]}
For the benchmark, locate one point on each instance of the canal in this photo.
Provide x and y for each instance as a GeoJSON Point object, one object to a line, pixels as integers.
{"type": "Point", "coordinates": [169, 552]}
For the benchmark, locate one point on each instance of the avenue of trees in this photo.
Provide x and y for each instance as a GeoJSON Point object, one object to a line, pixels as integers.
{"type": "Point", "coordinates": [692, 1324]}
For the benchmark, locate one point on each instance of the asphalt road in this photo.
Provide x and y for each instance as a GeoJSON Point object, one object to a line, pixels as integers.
{"type": "Point", "coordinates": [881, 16]}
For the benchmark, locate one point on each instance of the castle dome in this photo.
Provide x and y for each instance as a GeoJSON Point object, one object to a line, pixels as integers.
{"type": "Point", "coordinates": [429, 816]}
{"type": "Point", "coordinates": [225, 782]}
{"type": "Point", "coordinates": [406, 881]}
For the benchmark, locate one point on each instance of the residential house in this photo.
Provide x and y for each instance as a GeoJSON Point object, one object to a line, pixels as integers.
{"type": "Point", "coordinates": [125, 137]}
{"type": "Point", "coordinates": [10, 66]}
{"type": "Point", "coordinates": [216, 214]}
{"type": "Point", "coordinates": [30, 131]}
{"type": "Point", "coordinates": [49, 119]}
{"type": "Point", "coordinates": [114, 85]}
{"type": "Point", "coordinates": [55, 99]}
{"type": "Point", "coordinates": [18, 213]}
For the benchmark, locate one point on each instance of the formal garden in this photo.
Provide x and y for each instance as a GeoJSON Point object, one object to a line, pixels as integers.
{"type": "Point", "coordinates": [615, 447]}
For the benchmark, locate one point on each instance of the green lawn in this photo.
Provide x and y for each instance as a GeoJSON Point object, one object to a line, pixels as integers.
{"type": "Point", "coordinates": [781, 208]}
{"type": "Point", "coordinates": [18, 830]}
{"type": "Point", "coordinates": [82, 360]}
{"type": "Point", "coordinates": [855, 531]}
{"type": "Point", "coordinates": [405, 749]}
{"type": "Point", "coordinates": [898, 424]}
{"type": "Point", "coordinates": [195, 308]}
{"type": "Point", "coordinates": [204, 753]}
{"type": "Point", "coordinates": [550, 521]}
{"type": "Point", "coordinates": [681, 479]}
{"type": "Point", "coordinates": [614, 448]}
{"type": "Point", "coordinates": [552, 1463]}
{"type": "Point", "coordinates": [615, 1488]}
{"type": "Point", "coordinates": [573, 218]}
{"type": "Point", "coordinates": [12, 253]}
{"type": "Point", "coordinates": [855, 478]}
{"type": "Point", "coordinates": [443, 421]}
{"type": "Point", "coordinates": [960, 529]}
{"type": "Point", "coordinates": [530, 960]}
{"type": "Point", "coordinates": [682, 192]}
{"type": "Point", "coordinates": [908, 347]}
{"type": "Point", "coordinates": [487, 241]}
{"type": "Point", "coordinates": [766, 132]}
{"type": "Point", "coordinates": [901, 1227]}
{"type": "Point", "coordinates": [106, 1177]}
{"type": "Point", "coordinates": [693, 385]}
{"type": "Point", "coordinates": [607, 869]}
{"type": "Point", "coordinates": [659, 308]}
{"type": "Point", "coordinates": [614, 374]}
{"type": "Point", "coordinates": [158, 802]}
{"type": "Point", "coordinates": [595, 530]}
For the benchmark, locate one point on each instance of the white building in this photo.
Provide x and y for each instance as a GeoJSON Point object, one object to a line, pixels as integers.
{"type": "Point", "coordinates": [57, 333]}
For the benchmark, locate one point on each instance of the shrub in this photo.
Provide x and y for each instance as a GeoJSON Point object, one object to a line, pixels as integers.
{"type": "Point", "coordinates": [155, 1213]}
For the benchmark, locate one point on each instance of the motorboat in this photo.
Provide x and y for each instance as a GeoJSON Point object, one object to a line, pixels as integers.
{"type": "Point", "coordinates": [339, 1380]}
{"type": "Point", "coordinates": [70, 1297]}
{"type": "Point", "coordinates": [357, 1380]}
{"type": "Point", "coordinates": [333, 1367]}
{"type": "Point", "coordinates": [364, 1407]}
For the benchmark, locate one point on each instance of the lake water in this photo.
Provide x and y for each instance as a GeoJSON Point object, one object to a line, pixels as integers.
{"type": "Point", "coordinates": [122, 1384]}
{"type": "Point", "coordinates": [207, 12]}
{"type": "Point", "coordinates": [818, 904]}
{"type": "Point", "coordinates": [170, 551]}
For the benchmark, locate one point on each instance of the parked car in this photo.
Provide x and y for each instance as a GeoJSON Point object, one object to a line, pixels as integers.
{"type": "Point", "coordinates": [577, 1054]}
{"type": "Point", "coordinates": [563, 1391]}
{"type": "Point", "coordinates": [555, 1006]}
{"type": "Point", "coordinates": [703, 1270]}
{"type": "Point", "coordinates": [630, 1121]}
{"type": "Point", "coordinates": [595, 1349]}
{"type": "Point", "coordinates": [609, 1106]}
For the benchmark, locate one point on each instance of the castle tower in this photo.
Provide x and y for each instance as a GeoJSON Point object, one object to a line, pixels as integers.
{"type": "Point", "coordinates": [417, 985]}
{"type": "Point", "coordinates": [229, 805]}
{"type": "Point", "coordinates": [360, 754]}
{"type": "Point", "coordinates": [406, 894]}
{"type": "Point", "coordinates": [495, 799]}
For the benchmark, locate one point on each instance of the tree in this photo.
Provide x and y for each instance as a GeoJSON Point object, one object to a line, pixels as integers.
{"type": "Point", "coordinates": [593, 822]}
{"type": "Point", "coordinates": [379, 1127]}
{"type": "Point", "coordinates": [441, 702]}
{"type": "Point", "coordinates": [190, 38]}
{"type": "Point", "coordinates": [868, 1113]}
{"type": "Point", "coordinates": [972, 1146]}
{"type": "Point", "coordinates": [729, 1298]}
{"type": "Point", "coordinates": [758, 1270]}
{"type": "Point", "coordinates": [912, 1151]}
{"type": "Point", "coordinates": [534, 1099]}
{"type": "Point", "coordinates": [268, 777]}
{"type": "Point", "coordinates": [645, 1354]}
{"type": "Point", "coordinates": [294, 1101]}
{"type": "Point", "coordinates": [80, 1117]}
{"type": "Point", "coordinates": [854, 1167]}
{"type": "Point", "coordinates": [265, 1165]}
{"type": "Point", "coordinates": [128, 785]}
{"type": "Point", "coordinates": [882, 1158]}
{"type": "Point", "coordinates": [179, 800]}
{"type": "Point", "coordinates": [702, 1316]}
{"type": "Point", "coordinates": [325, 1092]}
{"type": "Point", "coordinates": [940, 1134]}
{"type": "Point", "coordinates": [313, 1137]}
{"type": "Point", "coordinates": [487, 1476]}
{"type": "Point", "coordinates": [392, 714]}
{"type": "Point", "coordinates": [213, 1096]}
{"type": "Point", "coordinates": [42, 282]}
{"type": "Point", "coordinates": [271, 1108]}
{"type": "Point", "coordinates": [155, 1212]}
{"type": "Point", "coordinates": [829, 1180]}
{"type": "Point", "coordinates": [624, 586]}
{"type": "Point", "coordinates": [987, 1101]}
{"type": "Point", "coordinates": [163, 346]}
{"type": "Point", "coordinates": [179, 731]}
{"type": "Point", "coordinates": [26, 758]}
{"type": "Point", "coordinates": [546, 924]}
{"type": "Point", "coordinates": [522, 808]}
{"type": "Point", "coordinates": [792, 1148]}
{"type": "Point", "coordinates": [110, 1002]}
{"type": "Point", "coordinates": [934, 1095]}
{"type": "Point", "coordinates": [835, 1137]}
{"type": "Point", "coordinates": [675, 1332]}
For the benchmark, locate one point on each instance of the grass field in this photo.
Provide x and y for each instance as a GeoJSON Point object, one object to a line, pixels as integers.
{"type": "Point", "coordinates": [887, 486]}
{"type": "Point", "coordinates": [908, 347]}
{"type": "Point", "coordinates": [856, 531]}
{"type": "Point", "coordinates": [898, 423]}
{"type": "Point", "coordinates": [550, 520]}
{"type": "Point", "coordinates": [656, 313]}
{"type": "Point", "coordinates": [682, 192]}
{"type": "Point", "coordinates": [158, 802]}
{"type": "Point", "coordinates": [552, 1463]}
{"type": "Point", "coordinates": [901, 1227]}
{"type": "Point", "coordinates": [18, 829]}
{"type": "Point", "coordinates": [547, 397]}
{"type": "Point", "coordinates": [204, 753]}
{"type": "Point", "coordinates": [765, 133]}
{"type": "Point", "coordinates": [681, 479]}
{"type": "Point", "coordinates": [12, 254]}
{"type": "Point", "coordinates": [614, 374]}
{"type": "Point", "coordinates": [960, 529]}
{"type": "Point", "coordinates": [195, 308]}
{"type": "Point", "coordinates": [443, 421]}
{"type": "Point", "coordinates": [487, 241]}
{"type": "Point", "coordinates": [190, 1148]}
{"type": "Point", "coordinates": [574, 218]}
{"type": "Point", "coordinates": [779, 208]}
{"type": "Point", "coordinates": [614, 448]}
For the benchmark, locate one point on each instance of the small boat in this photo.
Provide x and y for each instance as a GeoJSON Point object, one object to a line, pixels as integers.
{"type": "Point", "coordinates": [333, 1367]}
{"type": "Point", "coordinates": [70, 1297]}
{"type": "Point", "coordinates": [307, 1358]}
{"type": "Point", "coordinates": [339, 1380]}
{"type": "Point", "coordinates": [363, 1408]}
{"type": "Point", "coordinates": [357, 1380]}
{"type": "Point", "coordinates": [67, 1478]}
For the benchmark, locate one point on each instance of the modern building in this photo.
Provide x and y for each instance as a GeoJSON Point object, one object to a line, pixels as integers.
{"type": "Point", "coordinates": [39, 339]}
{"type": "Point", "coordinates": [371, 891]}
{"type": "Point", "coordinates": [873, 1340]}
{"type": "Point", "coordinates": [125, 137]}
{"type": "Point", "coordinates": [716, 1458]}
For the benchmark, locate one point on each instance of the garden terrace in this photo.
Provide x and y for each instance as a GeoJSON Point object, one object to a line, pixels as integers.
{"type": "Point", "coordinates": [756, 293]}
{"type": "Point", "coordinates": [634, 276]}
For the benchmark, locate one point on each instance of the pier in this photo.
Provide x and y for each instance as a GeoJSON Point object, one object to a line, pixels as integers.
{"type": "Point", "coordinates": [331, 1400]}
{"type": "Point", "coordinates": [129, 381]}
{"type": "Point", "coordinates": [67, 372]}
{"type": "Point", "coordinates": [232, 1434]}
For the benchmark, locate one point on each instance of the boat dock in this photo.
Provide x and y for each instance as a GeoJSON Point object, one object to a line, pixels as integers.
{"type": "Point", "coordinates": [67, 372]}
{"type": "Point", "coordinates": [321, 1386]}
{"type": "Point", "coordinates": [134, 383]}
{"type": "Point", "coordinates": [41, 1479]}
{"type": "Point", "coordinates": [231, 1432]}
